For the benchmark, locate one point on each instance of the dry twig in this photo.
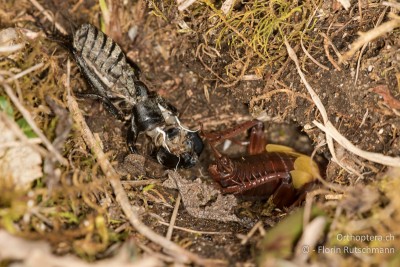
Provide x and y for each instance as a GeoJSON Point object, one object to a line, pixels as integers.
{"type": "Point", "coordinates": [173, 217]}
{"type": "Point", "coordinates": [184, 4]}
{"type": "Point", "coordinates": [365, 46]}
{"type": "Point", "coordinates": [328, 42]}
{"type": "Point", "coordinates": [366, 37]}
{"type": "Point", "coordinates": [197, 232]}
{"type": "Point", "coordinates": [48, 16]}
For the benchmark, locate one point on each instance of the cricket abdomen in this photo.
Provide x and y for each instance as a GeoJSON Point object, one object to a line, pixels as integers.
{"type": "Point", "coordinates": [108, 70]}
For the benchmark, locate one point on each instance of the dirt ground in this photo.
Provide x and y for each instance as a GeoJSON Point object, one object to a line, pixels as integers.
{"type": "Point", "coordinates": [218, 71]}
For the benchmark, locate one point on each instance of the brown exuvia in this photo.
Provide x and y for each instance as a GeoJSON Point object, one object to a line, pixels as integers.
{"type": "Point", "coordinates": [267, 171]}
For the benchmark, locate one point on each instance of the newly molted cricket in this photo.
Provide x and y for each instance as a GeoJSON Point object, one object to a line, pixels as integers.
{"type": "Point", "coordinates": [268, 171]}
{"type": "Point", "coordinates": [116, 80]}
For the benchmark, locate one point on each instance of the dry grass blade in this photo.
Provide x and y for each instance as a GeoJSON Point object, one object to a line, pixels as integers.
{"type": "Point", "coordinates": [48, 16]}
{"type": "Point", "coordinates": [197, 232]}
{"type": "Point", "coordinates": [227, 5]}
{"type": "Point", "coordinates": [371, 35]}
{"type": "Point", "coordinates": [311, 57]}
{"type": "Point", "coordinates": [11, 48]}
{"type": "Point", "coordinates": [173, 217]}
{"type": "Point", "coordinates": [184, 4]}
{"type": "Point", "coordinates": [391, 4]}
{"type": "Point", "coordinates": [311, 234]}
{"type": "Point", "coordinates": [331, 131]}
{"type": "Point", "coordinates": [345, 4]}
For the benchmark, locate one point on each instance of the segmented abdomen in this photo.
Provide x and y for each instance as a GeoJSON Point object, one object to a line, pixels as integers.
{"type": "Point", "coordinates": [106, 61]}
{"type": "Point", "coordinates": [253, 170]}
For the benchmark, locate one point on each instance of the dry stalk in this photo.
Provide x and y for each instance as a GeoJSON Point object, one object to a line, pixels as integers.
{"type": "Point", "coordinates": [267, 96]}
{"type": "Point", "coordinates": [332, 133]}
{"type": "Point", "coordinates": [251, 233]}
{"type": "Point", "coordinates": [391, 4]}
{"type": "Point", "coordinates": [48, 16]}
{"type": "Point", "coordinates": [330, 130]}
{"type": "Point", "coordinates": [227, 5]}
{"type": "Point", "coordinates": [173, 217]}
{"type": "Point", "coordinates": [311, 57]}
{"type": "Point", "coordinates": [11, 48]}
{"type": "Point", "coordinates": [365, 45]}
{"type": "Point", "coordinates": [197, 232]}
{"type": "Point", "coordinates": [345, 4]}
{"type": "Point", "coordinates": [366, 37]}
{"type": "Point", "coordinates": [184, 4]}
{"type": "Point", "coordinates": [328, 42]}
{"type": "Point", "coordinates": [304, 48]}
{"type": "Point", "coordinates": [140, 182]}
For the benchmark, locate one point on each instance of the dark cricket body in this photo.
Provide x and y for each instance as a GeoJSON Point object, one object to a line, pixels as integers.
{"type": "Point", "coordinates": [115, 80]}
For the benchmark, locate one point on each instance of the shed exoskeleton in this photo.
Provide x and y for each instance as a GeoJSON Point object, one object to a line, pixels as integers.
{"type": "Point", "coordinates": [114, 79]}
{"type": "Point", "coordinates": [274, 171]}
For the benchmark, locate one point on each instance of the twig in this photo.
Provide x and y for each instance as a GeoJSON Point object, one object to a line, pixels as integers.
{"type": "Point", "coordinates": [184, 4]}
{"type": "Point", "coordinates": [24, 72]}
{"type": "Point", "coordinates": [331, 132]}
{"type": "Point", "coordinates": [359, 63]}
{"type": "Point", "coordinates": [365, 45]}
{"type": "Point", "coordinates": [173, 217]}
{"type": "Point", "coordinates": [227, 5]}
{"type": "Point", "coordinates": [9, 144]}
{"type": "Point", "coordinates": [308, 204]}
{"type": "Point", "coordinates": [141, 182]}
{"type": "Point", "coordinates": [366, 37]}
{"type": "Point", "coordinates": [311, 57]}
{"type": "Point", "coordinates": [251, 233]}
{"type": "Point", "coordinates": [48, 16]}
{"type": "Point", "coordinates": [327, 41]}
{"type": "Point", "coordinates": [195, 231]}
{"type": "Point", "coordinates": [131, 212]}
{"type": "Point", "coordinates": [11, 48]}
{"type": "Point", "coordinates": [391, 4]}
{"type": "Point", "coordinates": [345, 4]}
{"type": "Point", "coordinates": [302, 45]}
